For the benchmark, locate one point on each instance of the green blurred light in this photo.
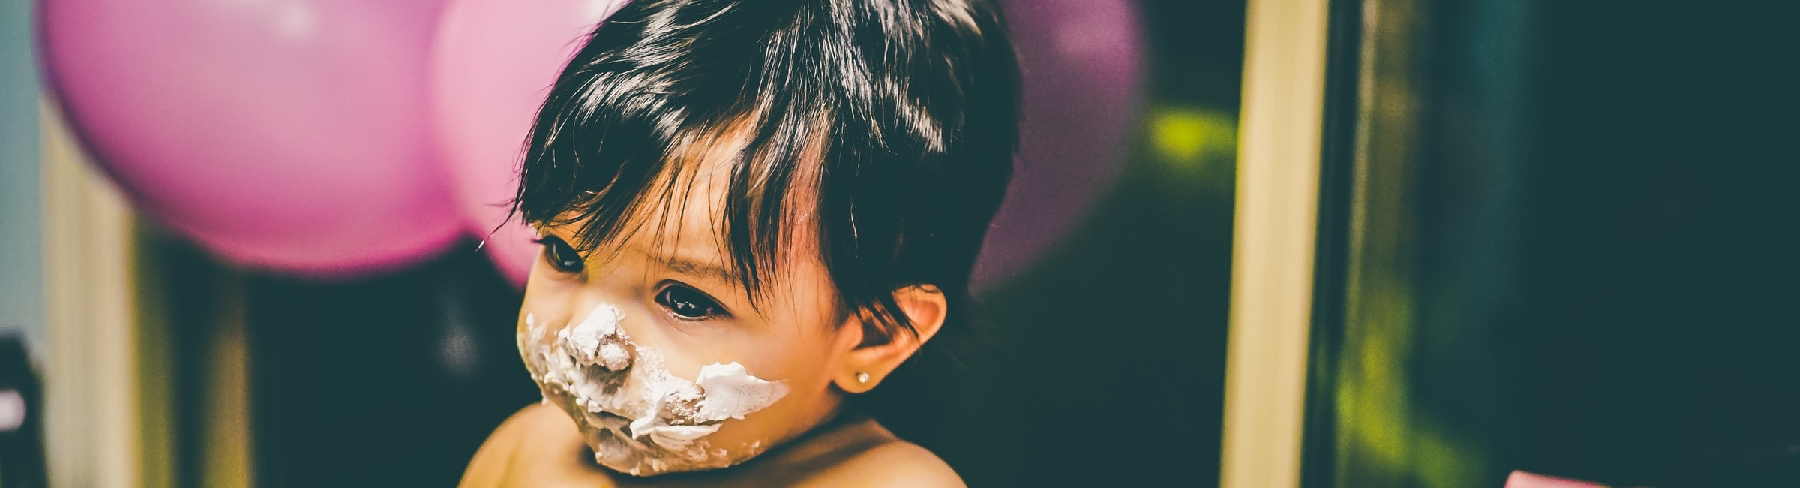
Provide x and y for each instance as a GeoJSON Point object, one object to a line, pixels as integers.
{"type": "Point", "coordinates": [1191, 137]}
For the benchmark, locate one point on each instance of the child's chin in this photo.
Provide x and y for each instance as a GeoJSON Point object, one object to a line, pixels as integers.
{"type": "Point", "coordinates": [644, 458]}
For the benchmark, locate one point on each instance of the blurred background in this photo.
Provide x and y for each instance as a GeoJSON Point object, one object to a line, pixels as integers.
{"type": "Point", "coordinates": [252, 243]}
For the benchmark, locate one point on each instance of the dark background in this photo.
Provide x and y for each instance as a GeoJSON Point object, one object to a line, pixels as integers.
{"type": "Point", "coordinates": [1656, 281]}
{"type": "Point", "coordinates": [1600, 244]}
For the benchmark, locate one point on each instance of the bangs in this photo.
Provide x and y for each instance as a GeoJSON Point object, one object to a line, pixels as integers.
{"type": "Point", "coordinates": [614, 172]}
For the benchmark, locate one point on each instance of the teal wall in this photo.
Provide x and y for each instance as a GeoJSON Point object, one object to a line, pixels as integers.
{"type": "Point", "coordinates": [21, 207]}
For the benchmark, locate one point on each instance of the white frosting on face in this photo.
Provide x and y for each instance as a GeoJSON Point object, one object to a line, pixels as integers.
{"type": "Point", "coordinates": [638, 417]}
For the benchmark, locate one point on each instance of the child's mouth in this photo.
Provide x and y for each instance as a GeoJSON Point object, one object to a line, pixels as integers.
{"type": "Point", "coordinates": [666, 418]}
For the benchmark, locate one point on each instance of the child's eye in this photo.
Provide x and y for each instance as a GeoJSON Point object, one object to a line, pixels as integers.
{"type": "Point", "coordinates": [560, 256]}
{"type": "Point", "coordinates": [689, 304]}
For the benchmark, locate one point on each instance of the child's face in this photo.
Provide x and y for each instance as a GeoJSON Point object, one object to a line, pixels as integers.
{"type": "Point", "coordinates": [653, 333]}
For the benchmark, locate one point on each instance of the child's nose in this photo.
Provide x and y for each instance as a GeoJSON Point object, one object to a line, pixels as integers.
{"type": "Point", "coordinates": [614, 354]}
{"type": "Point", "coordinates": [599, 339]}
{"type": "Point", "coordinates": [611, 353]}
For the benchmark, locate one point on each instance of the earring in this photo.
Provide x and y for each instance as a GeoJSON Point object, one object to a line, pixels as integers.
{"type": "Point", "coordinates": [862, 378]}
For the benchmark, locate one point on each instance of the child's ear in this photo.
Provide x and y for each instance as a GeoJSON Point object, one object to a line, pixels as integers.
{"type": "Point", "coordinates": [878, 351]}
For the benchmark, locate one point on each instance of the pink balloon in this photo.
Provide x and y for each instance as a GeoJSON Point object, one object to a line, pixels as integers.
{"type": "Point", "coordinates": [492, 68]}
{"type": "Point", "coordinates": [1081, 64]}
{"type": "Point", "coordinates": [287, 134]}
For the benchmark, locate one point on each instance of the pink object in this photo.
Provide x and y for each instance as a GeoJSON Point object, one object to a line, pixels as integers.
{"type": "Point", "coordinates": [492, 67]}
{"type": "Point", "coordinates": [1081, 61]}
{"type": "Point", "coordinates": [1521, 479]}
{"type": "Point", "coordinates": [286, 134]}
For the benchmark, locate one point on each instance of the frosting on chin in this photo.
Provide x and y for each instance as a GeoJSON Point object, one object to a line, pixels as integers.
{"type": "Point", "coordinates": [638, 417]}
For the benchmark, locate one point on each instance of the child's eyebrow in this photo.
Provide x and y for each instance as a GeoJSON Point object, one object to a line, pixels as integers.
{"type": "Point", "coordinates": [695, 267]}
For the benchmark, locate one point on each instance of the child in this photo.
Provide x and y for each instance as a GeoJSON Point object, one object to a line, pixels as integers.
{"type": "Point", "coordinates": [749, 211]}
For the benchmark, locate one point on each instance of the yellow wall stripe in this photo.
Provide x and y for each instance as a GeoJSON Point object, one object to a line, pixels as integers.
{"type": "Point", "coordinates": [1272, 262]}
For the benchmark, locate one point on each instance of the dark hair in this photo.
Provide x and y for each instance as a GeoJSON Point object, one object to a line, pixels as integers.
{"type": "Point", "coordinates": [900, 115]}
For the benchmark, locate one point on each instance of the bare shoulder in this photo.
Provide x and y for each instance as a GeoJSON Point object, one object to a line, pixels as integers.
{"type": "Point", "coordinates": [895, 464]}
{"type": "Point", "coordinates": [492, 460]}
{"type": "Point", "coordinates": [554, 456]}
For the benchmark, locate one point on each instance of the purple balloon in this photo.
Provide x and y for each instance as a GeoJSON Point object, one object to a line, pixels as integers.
{"type": "Point", "coordinates": [1081, 64]}
{"type": "Point", "coordinates": [493, 66]}
{"type": "Point", "coordinates": [285, 134]}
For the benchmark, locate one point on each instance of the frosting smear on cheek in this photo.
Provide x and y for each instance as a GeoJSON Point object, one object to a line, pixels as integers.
{"type": "Point", "coordinates": [638, 417]}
